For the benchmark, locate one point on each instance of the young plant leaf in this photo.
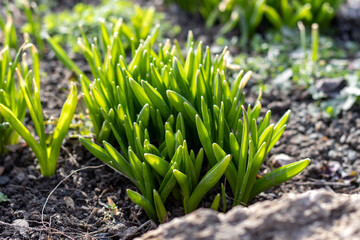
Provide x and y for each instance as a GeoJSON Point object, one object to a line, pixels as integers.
{"type": "Point", "coordinates": [205, 139]}
{"type": "Point", "coordinates": [207, 182]}
{"type": "Point", "coordinates": [62, 127]}
{"type": "Point", "coordinates": [278, 176]}
{"type": "Point", "coordinates": [159, 206]}
{"type": "Point", "coordinates": [9, 116]}
{"type": "Point", "coordinates": [160, 165]}
{"type": "Point", "coordinates": [215, 204]}
{"type": "Point", "coordinates": [142, 202]}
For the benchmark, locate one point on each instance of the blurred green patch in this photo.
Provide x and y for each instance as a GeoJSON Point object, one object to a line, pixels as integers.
{"type": "Point", "coordinates": [280, 59]}
{"type": "Point", "coordinates": [64, 26]}
{"type": "Point", "coordinates": [3, 198]}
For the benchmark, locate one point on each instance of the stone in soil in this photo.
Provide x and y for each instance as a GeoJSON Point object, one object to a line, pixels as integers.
{"type": "Point", "coordinates": [315, 215]}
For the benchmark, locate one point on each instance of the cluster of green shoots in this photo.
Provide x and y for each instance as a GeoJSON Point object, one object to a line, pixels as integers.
{"type": "Point", "coordinates": [138, 21]}
{"type": "Point", "coordinates": [9, 32]}
{"type": "Point", "coordinates": [249, 14]}
{"type": "Point", "coordinates": [174, 125]}
{"type": "Point", "coordinates": [10, 96]}
{"type": "Point", "coordinates": [290, 12]}
{"type": "Point", "coordinates": [40, 23]}
{"type": "Point", "coordinates": [33, 26]}
{"type": "Point", "coordinates": [21, 91]}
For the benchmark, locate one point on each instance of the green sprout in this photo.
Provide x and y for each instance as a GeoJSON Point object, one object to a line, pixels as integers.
{"type": "Point", "coordinates": [33, 25]}
{"type": "Point", "coordinates": [247, 15]}
{"type": "Point", "coordinates": [158, 171]}
{"type": "Point", "coordinates": [9, 30]}
{"type": "Point", "coordinates": [137, 22]}
{"type": "Point", "coordinates": [161, 108]}
{"type": "Point", "coordinates": [46, 150]}
{"type": "Point", "coordinates": [3, 198]}
{"type": "Point", "coordinates": [10, 95]}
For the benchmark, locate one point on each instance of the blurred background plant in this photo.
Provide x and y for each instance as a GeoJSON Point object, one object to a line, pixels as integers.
{"type": "Point", "coordinates": [138, 21]}
{"type": "Point", "coordinates": [249, 16]}
{"type": "Point", "coordinates": [33, 25]}
{"type": "Point", "coordinates": [8, 35]}
{"type": "Point", "coordinates": [63, 26]}
{"type": "Point", "coordinates": [320, 64]}
{"type": "Point", "coordinates": [288, 13]}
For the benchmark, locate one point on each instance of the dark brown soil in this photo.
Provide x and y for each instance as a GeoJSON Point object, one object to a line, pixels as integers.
{"type": "Point", "coordinates": [75, 202]}
{"type": "Point", "coordinates": [77, 208]}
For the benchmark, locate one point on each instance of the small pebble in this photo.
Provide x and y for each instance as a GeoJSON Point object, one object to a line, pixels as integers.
{"type": "Point", "coordinates": [22, 223]}
{"type": "Point", "coordinates": [352, 156]}
{"type": "Point", "coordinates": [118, 228]}
{"type": "Point", "coordinates": [281, 159]}
{"type": "Point", "coordinates": [298, 139]}
{"type": "Point", "coordinates": [4, 180]}
{"type": "Point", "coordinates": [20, 177]}
{"type": "Point", "coordinates": [69, 202]}
{"type": "Point", "coordinates": [332, 154]}
{"type": "Point", "coordinates": [31, 177]}
{"type": "Point", "coordinates": [314, 136]}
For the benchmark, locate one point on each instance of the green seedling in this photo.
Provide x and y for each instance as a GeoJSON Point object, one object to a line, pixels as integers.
{"type": "Point", "coordinates": [10, 95]}
{"type": "Point", "coordinates": [9, 31]}
{"type": "Point", "coordinates": [315, 41]}
{"type": "Point", "coordinates": [249, 146]}
{"type": "Point", "coordinates": [159, 173]}
{"type": "Point", "coordinates": [160, 108]}
{"type": "Point", "coordinates": [3, 198]}
{"type": "Point", "coordinates": [33, 25]}
{"type": "Point", "coordinates": [46, 150]}
{"type": "Point", "coordinates": [247, 15]}
{"type": "Point", "coordinates": [137, 22]}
